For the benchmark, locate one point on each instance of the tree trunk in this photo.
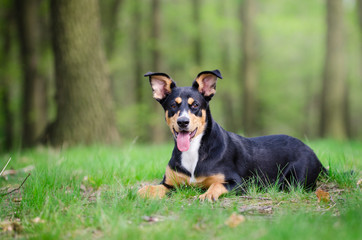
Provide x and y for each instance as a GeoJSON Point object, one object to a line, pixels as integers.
{"type": "Point", "coordinates": [84, 103]}
{"type": "Point", "coordinates": [197, 37]}
{"type": "Point", "coordinates": [333, 109]}
{"type": "Point", "coordinates": [158, 129]}
{"type": "Point", "coordinates": [5, 80]}
{"type": "Point", "coordinates": [359, 13]}
{"type": "Point", "coordinates": [110, 21]}
{"type": "Point", "coordinates": [34, 110]}
{"type": "Point", "coordinates": [249, 74]}
{"type": "Point", "coordinates": [137, 51]}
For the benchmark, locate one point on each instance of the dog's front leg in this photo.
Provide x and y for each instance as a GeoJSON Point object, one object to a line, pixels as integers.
{"type": "Point", "coordinates": [155, 192]}
{"type": "Point", "coordinates": [214, 192]}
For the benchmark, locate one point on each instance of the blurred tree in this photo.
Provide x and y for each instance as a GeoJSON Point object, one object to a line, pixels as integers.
{"type": "Point", "coordinates": [333, 109]}
{"type": "Point", "coordinates": [158, 130]}
{"type": "Point", "coordinates": [359, 12]}
{"type": "Point", "coordinates": [5, 77]}
{"type": "Point", "coordinates": [110, 15]}
{"type": "Point", "coordinates": [111, 10]}
{"type": "Point", "coordinates": [249, 71]}
{"type": "Point", "coordinates": [34, 110]}
{"type": "Point", "coordinates": [197, 38]}
{"type": "Point", "coordinates": [84, 103]}
{"type": "Point", "coordinates": [137, 51]}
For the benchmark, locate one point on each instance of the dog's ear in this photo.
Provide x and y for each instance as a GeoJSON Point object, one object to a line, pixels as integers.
{"type": "Point", "coordinates": [205, 82]}
{"type": "Point", "coordinates": [161, 84]}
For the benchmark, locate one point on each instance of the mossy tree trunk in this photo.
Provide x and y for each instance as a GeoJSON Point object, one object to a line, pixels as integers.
{"type": "Point", "coordinates": [6, 79]}
{"type": "Point", "coordinates": [84, 104]}
{"type": "Point", "coordinates": [333, 109]}
{"type": "Point", "coordinates": [196, 11]}
{"type": "Point", "coordinates": [249, 71]}
{"type": "Point", "coordinates": [158, 127]}
{"type": "Point", "coordinates": [34, 108]}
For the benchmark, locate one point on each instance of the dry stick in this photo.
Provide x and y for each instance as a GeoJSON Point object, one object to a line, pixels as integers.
{"type": "Point", "coordinates": [16, 189]}
{"type": "Point", "coordinates": [259, 198]}
{"type": "Point", "coordinates": [5, 166]}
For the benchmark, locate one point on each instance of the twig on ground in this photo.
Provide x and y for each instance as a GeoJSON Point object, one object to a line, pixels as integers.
{"type": "Point", "coordinates": [18, 188]}
{"type": "Point", "coordinates": [259, 198]}
{"type": "Point", "coordinates": [5, 166]}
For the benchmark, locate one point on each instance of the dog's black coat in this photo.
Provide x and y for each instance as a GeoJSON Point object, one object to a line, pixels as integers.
{"type": "Point", "coordinates": [274, 159]}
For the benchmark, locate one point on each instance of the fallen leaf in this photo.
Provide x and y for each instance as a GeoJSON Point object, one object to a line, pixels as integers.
{"type": "Point", "coordinates": [12, 172]}
{"type": "Point", "coordinates": [234, 220]}
{"type": "Point", "coordinates": [16, 199]}
{"type": "Point", "coordinates": [150, 219]}
{"type": "Point", "coordinates": [38, 220]}
{"type": "Point", "coordinates": [359, 183]}
{"type": "Point", "coordinates": [322, 195]}
{"type": "Point", "coordinates": [8, 226]}
{"type": "Point", "coordinates": [83, 188]}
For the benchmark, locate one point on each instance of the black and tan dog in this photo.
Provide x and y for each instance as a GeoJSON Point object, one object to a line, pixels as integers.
{"type": "Point", "coordinates": [207, 156]}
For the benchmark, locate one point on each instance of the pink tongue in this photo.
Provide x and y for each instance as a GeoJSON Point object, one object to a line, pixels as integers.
{"type": "Point", "coordinates": [183, 141]}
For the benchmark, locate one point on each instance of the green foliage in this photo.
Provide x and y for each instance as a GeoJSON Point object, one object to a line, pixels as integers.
{"type": "Point", "coordinates": [291, 51]}
{"type": "Point", "coordinates": [91, 192]}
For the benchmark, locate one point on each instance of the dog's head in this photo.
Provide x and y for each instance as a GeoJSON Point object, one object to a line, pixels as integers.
{"type": "Point", "coordinates": [185, 107]}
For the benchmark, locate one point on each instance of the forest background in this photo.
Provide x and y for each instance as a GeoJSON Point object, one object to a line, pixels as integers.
{"type": "Point", "coordinates": [71, 72]}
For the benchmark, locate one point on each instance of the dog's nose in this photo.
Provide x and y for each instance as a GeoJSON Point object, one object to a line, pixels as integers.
{"type": "Point", "coordinates": [183, 122]}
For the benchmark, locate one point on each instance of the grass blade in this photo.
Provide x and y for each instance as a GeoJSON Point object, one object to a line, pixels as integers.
{"type": "Point", "coordinates": [5, 166]}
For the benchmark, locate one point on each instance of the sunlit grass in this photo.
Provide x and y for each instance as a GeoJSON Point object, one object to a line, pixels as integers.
{"type": "Point", "coordinates": [91, 192]}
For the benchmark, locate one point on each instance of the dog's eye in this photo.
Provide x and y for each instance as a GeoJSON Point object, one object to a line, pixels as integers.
{"type": "Point", "coordinates": [173, 105]}
{"type": "Point", "coordinates": [194, 105]}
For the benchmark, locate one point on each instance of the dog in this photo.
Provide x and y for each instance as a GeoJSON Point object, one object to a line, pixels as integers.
{"type": "Point", "coordinates": [207, 156]}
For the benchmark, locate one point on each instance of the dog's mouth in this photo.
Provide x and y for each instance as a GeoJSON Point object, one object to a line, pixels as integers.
{"type": "Point", "coordinates": [183, 139]}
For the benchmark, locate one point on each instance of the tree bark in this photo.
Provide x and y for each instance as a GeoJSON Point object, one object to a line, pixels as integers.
{"type": "Point", "coordinates": [137, 51]}
{"type": "Point", "coordinates": [333, 109]}
{"type": "Point", "coordinates": [84, 103]}
{"type": "Point", "coordinates": [34, 108]}
{"type": "Point", "coordinates": [158, 129]}
{"type": "Point", "coordinates": [5, 79]}
{"type": "Point", "coordinates": [249, 74]}
{"type": "Point", "coordinates": [197, 37]}
{"type": "Point", "coordinates": [110, 19]}
{"type": "Point", "coordinates": [359, 13]}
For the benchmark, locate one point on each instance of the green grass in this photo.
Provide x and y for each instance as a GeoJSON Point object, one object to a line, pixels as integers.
{"type": "Point", "coordinates": [91, 193]}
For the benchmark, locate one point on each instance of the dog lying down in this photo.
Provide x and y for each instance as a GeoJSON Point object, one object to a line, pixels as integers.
{"type": "Point", "coordinates": [207, 156]}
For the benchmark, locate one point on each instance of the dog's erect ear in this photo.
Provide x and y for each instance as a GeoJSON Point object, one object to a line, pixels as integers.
{"type": "Point", "coordinates": [205, 82]}
{"type": "Point", "coordinates": [161, 85]}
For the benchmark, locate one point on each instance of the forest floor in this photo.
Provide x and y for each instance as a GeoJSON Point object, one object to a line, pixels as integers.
{"type": "Point", "coordinates": [91, 193]}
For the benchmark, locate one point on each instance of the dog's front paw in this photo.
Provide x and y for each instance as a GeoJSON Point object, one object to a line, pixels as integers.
{"type": "Point", "coordinates": [213, 193]}
{"type": "Point", "coordinates": [158, 191]}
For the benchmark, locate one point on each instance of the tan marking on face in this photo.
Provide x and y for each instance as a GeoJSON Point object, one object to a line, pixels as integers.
{"type": "Point", "coordinates": [174, 178]}
{"type": "Point", "coordinates": [172, 121]}
{"type": "Point", "coordinates": [178, 100]}
{"type": "Point", "coordinates": [214, 192]}
{"type": "Point", "coordinates": [190, 101]}
{"type": "Point", "coordinates": [158, 191]}
{"type": "Point", "coordinates": [198, 122]}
